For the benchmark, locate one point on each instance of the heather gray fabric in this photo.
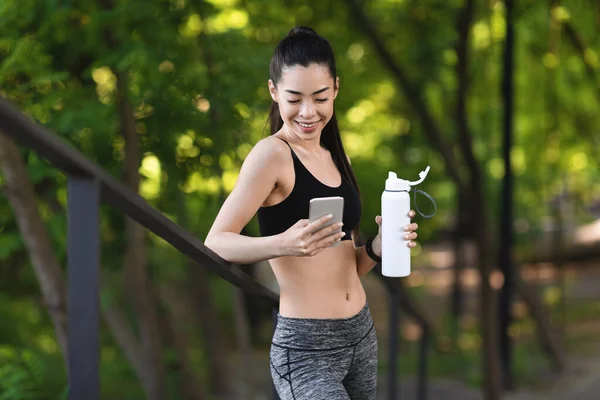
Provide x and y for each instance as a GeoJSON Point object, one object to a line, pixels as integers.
{"type": "Point", "coordinates": [325, 359]}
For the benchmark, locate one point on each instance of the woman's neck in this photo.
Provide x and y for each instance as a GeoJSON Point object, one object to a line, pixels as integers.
{"type": "Point", "coordinates": [310, 147]}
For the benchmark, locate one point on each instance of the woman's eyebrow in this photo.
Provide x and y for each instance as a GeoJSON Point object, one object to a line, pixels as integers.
{"type": "Point", "coordinates": [299, 93]}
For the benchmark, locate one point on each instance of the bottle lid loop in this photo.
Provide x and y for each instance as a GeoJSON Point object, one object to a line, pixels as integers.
{"type": "Point", "coordinates": [417, 206]}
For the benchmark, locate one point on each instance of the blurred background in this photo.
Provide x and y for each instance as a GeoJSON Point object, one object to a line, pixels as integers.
{"type": "Point", "coordinates": [500, 98]}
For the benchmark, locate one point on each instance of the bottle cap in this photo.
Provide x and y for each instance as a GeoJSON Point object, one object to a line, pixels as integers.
{"type": "Point", "coordinates": [395, 184]}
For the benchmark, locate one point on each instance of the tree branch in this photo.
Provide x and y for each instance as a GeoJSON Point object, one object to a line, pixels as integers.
{"type": "Point", "coordinates": [580, 47]}
{"type": "Point", "coordinates": [137, 281]}
{"type": "Point", "coordinates": [21, 195]}
{"type": "Point", "coordinates": [465, 20]}
{"type": "Point", "coordinates": [577, 42]}
{"type": "Point", "coordinates": [181, 308]}
{"type": "Point", "coordinates": [412, 94]}
{"type": "Point", "coordinates": [125, 337]}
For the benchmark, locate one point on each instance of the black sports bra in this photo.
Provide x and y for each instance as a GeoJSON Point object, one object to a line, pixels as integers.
{"type": "Point", "coordinates": [275, 219]}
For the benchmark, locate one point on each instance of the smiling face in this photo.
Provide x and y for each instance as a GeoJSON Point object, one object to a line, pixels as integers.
{"type": "Point", "coordinates": [305, 97]}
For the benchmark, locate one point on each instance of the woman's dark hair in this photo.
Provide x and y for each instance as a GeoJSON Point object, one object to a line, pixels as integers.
{"type": "Point", "coordinates": [303, 46]}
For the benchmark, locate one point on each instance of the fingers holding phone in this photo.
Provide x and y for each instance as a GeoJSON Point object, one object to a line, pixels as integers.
{"type": "Point", "coordinates": [306, 238]}
{"type": "Point", "coordinates": [324, 233]}
{"type": "Point", "coordinates": [323, 229]}
{"type": "Point", "coordinates": [333, 206]}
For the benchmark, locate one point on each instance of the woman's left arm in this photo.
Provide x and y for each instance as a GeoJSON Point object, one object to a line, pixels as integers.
{"type": "Point", "coordinates": [364, 263]}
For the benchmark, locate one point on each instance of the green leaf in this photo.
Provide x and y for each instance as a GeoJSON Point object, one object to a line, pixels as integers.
{"type": "Point", "coordinates": [9, 244]}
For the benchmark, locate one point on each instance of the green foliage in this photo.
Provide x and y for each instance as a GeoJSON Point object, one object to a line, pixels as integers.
{"type": "Point", "coordinates": [21, 375]}
{"type": "Point", "coordinates": [24, 375]}
{"type": "Point", "coordinates": [9, 244]}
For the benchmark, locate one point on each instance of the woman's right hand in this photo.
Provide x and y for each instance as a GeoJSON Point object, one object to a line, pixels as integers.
{"type": "Point", "coordinates": [306, 239]}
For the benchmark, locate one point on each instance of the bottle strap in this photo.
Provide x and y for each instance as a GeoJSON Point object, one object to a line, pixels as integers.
{"type": "Point", "coordinates": [417, 206]}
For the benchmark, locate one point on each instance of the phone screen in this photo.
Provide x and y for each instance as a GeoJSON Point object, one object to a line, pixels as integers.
{"type": "Point", "coordinates": [322, 206]}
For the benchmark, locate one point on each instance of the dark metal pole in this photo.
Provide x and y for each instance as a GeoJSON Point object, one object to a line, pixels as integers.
{"type": "Point", "coordinates": [422, 378]}
{"type": "Point", "coordinates": [506, 213]}
{"type": "Point", "coordinates": [84, 288]}
{"type": "Point", "coordinates": [393, 346]}
{"type": "Point", "coordinates": [557, 245]}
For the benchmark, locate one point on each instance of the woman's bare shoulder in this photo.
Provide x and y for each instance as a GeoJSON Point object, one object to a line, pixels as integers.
{"type": "Point", "coordinates": [269, 151]}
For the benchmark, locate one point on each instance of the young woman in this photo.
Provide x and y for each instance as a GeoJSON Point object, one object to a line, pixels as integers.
{"type": "Point", "coordinates": [324, 345]}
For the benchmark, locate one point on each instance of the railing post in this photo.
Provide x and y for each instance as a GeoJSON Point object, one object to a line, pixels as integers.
{"type": "Point", "coordinates": [422, 379]}
{"type": "Point", "coordinates": [84, 288]}
{"type": "Point", "coordinates": [393, 346]}
{"type": "Point", "coordinates": [275, 395]}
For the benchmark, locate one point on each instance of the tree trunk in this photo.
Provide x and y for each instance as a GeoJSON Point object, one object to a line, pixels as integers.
{"type": "Point", "coordinates": [118, 324]}
{"type": "Point", "coordinates": [21, 195]}
{"type": "Point", "coordinates": [240, 313]}
{"type": "Point", "coordinates": [488, 311]}
{"type": "Point", "coordinates": [408, 304]}
{"type": "Point", "coordinates": [505, 252]}
{"type": "Point", "coordinates": [547, 334]}
{"type": "Point", "coordinates": [181, 315]}
{"type": "Point", "coordinates": [137, 280]}
{"type": "Point", "coordinates": [459, 238]}
{"type": "Point", "coordinates": [491, 372]}
{"type": "Point", "coordinates": [211, 331]}
{"type": "Point", "coordinates": [242, 328]}
{"type": "Point", "coordinates": [242, 334]}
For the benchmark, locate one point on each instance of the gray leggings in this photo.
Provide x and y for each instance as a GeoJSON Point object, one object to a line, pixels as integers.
{"type": "Point", "coordinates": [325, 359]}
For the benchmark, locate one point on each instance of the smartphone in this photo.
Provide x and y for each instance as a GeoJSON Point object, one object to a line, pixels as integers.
{"type": "Point", "coordinates": [321, 206]}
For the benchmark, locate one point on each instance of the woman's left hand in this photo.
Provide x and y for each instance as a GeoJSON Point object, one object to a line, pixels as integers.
{"type": "Point", "coordinates": [410, 229]}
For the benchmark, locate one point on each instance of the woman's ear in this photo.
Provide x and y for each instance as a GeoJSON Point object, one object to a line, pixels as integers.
{"type": "Point", "coordinates": [272, 90]}
{"type": "Point", "coordinates": [336, 87]}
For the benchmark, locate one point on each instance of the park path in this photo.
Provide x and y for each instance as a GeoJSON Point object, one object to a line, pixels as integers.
{"type": "Point", "coordinates": [580, 382]}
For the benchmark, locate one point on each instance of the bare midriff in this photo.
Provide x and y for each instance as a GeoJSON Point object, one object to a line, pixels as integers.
{"type": "Point", "coordinates": [323, 286]}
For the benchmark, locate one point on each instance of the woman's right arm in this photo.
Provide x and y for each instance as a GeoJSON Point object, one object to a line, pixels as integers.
{"type": "Point", "coordinates": [255, 182]}
{"type": "Point", "coordinates": [257, 179]}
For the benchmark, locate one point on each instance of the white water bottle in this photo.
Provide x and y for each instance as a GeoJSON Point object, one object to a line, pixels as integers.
{"type": "Point", "coordinates": [395, 205]}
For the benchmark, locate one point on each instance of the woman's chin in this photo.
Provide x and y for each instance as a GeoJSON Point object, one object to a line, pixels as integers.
{"type": "Point", "coordinates": [315, 133]}
{"type": "Point", "coordinates": [309, 136]}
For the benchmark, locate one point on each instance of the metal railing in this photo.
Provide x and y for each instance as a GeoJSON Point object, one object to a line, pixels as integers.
{"type": "Point", "coordinates": [88, 185]}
